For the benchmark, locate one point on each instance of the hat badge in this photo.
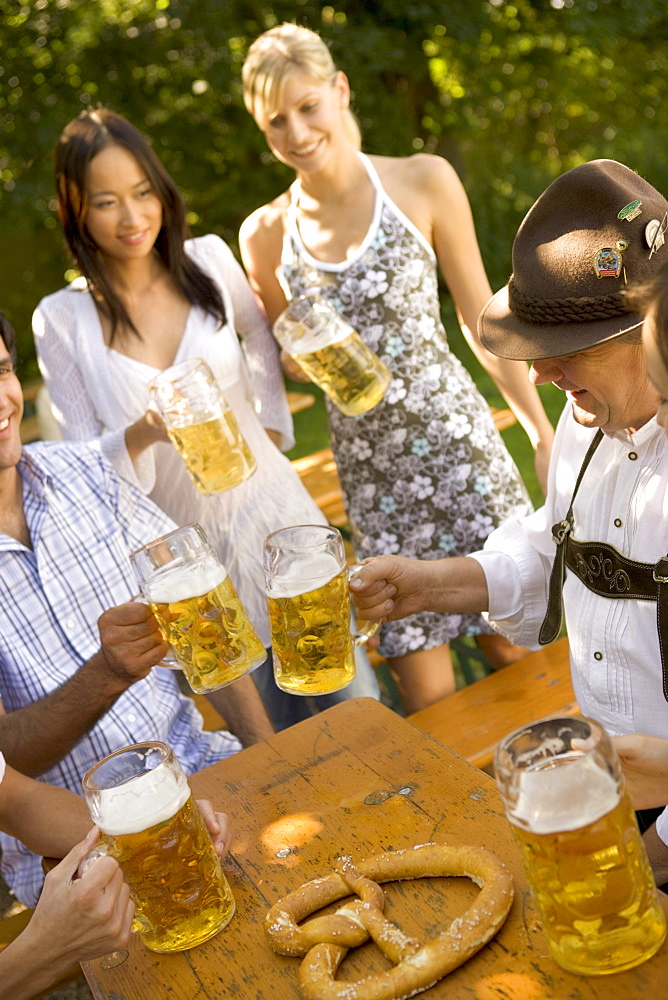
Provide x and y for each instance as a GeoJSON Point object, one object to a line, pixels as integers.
{"type": "Point", "coordinates": [608, 261]}
{"type": "Point", "coordinates": [630, 211]}
{"type": "Point", "coordinates": [654, 234]}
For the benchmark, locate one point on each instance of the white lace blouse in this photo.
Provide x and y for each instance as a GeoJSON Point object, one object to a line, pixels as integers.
{"type": "Point", "coordinates": [96, 392]}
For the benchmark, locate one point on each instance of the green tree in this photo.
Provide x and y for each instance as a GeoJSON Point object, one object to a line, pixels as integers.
{"type": "Point", "coordinates": [512, 93]}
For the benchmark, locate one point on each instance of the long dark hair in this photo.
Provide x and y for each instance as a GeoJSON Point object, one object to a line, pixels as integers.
{"type": "Point", "coordinates": [79, 142]}
{"type": "Point", "coordinates": [8, 336]}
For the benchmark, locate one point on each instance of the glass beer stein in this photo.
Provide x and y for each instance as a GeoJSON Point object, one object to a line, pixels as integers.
{"type": "Point", "coordinates": [141, 802]}
{"type": "Point", "coordinates": [197, 608]}
{"type": "Point", "coordinates": [563, 791]}
{"type": "Point", "coordinates": [202, 427]}
{"type": "Point", "coordinates": [310, 610]}
{"type": "Point", "coordinates": [332, 354]}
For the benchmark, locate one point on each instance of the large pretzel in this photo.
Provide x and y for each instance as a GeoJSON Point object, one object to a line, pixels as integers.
{"type": "Point", "coordinates": [326, 939]}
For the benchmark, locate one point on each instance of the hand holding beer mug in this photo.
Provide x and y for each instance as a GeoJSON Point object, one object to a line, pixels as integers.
{"type": "Point", "coordinates": [564, 795]}
{"type": "Point", "coordinates": [202, 427]}
{"type": "Point", "coordinates": [332, 354]}
{"type": "Point", "coordinates": [197, 608]}
{"type": "Point", "coordinates": [310, 610]}
{"type": "Point", "coordinates": [141, 802]}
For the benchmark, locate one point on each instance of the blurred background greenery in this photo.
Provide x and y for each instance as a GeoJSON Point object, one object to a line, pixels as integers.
{"type": "Point", "coordinates": [513, 93]}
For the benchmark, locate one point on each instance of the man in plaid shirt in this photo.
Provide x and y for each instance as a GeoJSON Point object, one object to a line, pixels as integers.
{"type": "Point", "coordinates": [76, 654]}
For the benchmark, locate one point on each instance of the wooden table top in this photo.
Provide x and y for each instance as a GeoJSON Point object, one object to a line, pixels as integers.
{"type": "Point", "coordinates": [358, 780]}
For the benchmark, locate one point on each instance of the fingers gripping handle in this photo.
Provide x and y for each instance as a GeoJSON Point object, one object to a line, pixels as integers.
{"type": "Point", "coordinates": [370, 628]}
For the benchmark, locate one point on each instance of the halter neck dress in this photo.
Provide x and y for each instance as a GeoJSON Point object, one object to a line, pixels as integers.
{"type": "Point", "coordinates": [424, 473]}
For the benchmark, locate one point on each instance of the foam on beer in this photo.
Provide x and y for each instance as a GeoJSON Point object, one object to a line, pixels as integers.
{"type": "Point", "coordinates": [182, 582]}
{"type": "Point", "coordinates": [313, 341]}
{"type": "Point", "coordinates": [565, 797]}
{"type": "Point", "coordinates": [141, 803]}
{"type": "Point", "coordinates": [310, 572]}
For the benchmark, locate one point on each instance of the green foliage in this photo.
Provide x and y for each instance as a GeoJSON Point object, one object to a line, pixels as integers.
{"type": "Point", "coordinates": [512, 93]}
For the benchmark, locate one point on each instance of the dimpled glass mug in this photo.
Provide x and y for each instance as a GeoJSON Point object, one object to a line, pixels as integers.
{"type": "Point", "coordinates": [202, 427]}
{"type": "Point", "coordinates": [563, 790]}
{"type": "Point", "coordinates": [332, 354]}
{"type": "Point", "coordinates": [310, 610]}
{"type": "Point", "coordinates": [197, 608]}
{"type": "Point", "coordinates": [141, 802]}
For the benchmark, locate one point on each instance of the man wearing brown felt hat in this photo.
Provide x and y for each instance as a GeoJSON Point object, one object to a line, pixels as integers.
{"type": "Point", "coordinates": [561, 298]}
{"type": "Point", "coordinates": [597, 549]}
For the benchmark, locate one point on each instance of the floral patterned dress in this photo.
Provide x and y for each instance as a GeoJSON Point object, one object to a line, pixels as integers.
{"type": "Point", "coordinates": [424, 473]}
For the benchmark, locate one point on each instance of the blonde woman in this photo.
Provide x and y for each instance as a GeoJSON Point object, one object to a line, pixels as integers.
{"type": "Point", "coordinates": [425, 473]}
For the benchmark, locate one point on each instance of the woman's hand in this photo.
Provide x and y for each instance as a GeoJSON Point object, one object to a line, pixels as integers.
{"type": "Point", "coordinates": [148, 430]}
{"type": "Point", "coordinates": [155, 425]}
{"type": "Point", "coordinates": [80, 917]}
{"type": "Point", "coordinates": [218, 825]}
{"type": "Point", "coordinates": [292, 369]}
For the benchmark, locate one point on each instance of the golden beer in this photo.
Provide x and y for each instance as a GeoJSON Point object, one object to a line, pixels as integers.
{"type": "Point", "coordinates": [588, 871]}
{"type": "Point", "coordinates": [312, 646]}
{"type": "Point", "coordinates": [141, 802]}
{"type": "Point", "coordinates": [216, 455]}
{"type": "Point", "coordinates": [347, 371]}
{"type": "Point", "coordinates": [201, 426]}
{"type": "Point", "coordinates": [181, 895]}
{"type": "Point", "coordinates": [332, 354]}
{"type": "Point", "coordinates": [201, 617]}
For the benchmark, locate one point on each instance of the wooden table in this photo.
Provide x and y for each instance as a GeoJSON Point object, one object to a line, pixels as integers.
{"type": "Point", "coordinates": [358, 779]}
{"type": "Point", "coordinates": [473, 720]}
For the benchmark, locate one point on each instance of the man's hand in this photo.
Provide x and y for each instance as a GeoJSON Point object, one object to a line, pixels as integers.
{"type": "Point", "coordinates": [37, 736]}
{"type": "Point", "coordinates": [131, 642]}
{"type": "Point", "coordinates": [644, 760]}
{"type": "Point", "coordinates": [389, 588]}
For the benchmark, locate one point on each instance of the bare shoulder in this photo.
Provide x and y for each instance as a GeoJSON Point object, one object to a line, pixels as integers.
{"type": "Point", "coordinates": [425, 171]}
{"type": "Point", "coordinates": [421, 185]}
{"type": "Point", "coordinates": [264, 227]}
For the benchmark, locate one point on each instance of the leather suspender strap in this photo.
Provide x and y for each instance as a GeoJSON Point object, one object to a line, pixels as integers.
{"type": "Point", "coordinates": [551, 627]}
{"type": "Point", "coordinates": [608, 573]}
{"type": "Point", "coordinates": [605, 571]}
{"type": "Point", "coordinates": [662, 623]}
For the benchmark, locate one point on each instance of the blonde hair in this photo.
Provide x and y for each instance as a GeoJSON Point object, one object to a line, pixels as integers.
{"type": "Point", "coordinates": [273, 55]}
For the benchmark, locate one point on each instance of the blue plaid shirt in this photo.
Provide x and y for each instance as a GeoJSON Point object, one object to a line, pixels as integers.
{"type": "Point", "coordinates": [84, 520]}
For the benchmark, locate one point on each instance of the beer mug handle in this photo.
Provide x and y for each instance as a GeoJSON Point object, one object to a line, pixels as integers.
{"type": "Point", "coordinates": [170, 661]}
{"type": "Point", "coordinates": [371, 627]}
{"type": "Point", "coordinates": [100, 851]}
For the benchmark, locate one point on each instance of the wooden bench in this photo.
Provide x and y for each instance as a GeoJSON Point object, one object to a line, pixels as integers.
{"type": "Point", "coordinates": [298, 401]}
{"type": "Point", "coordinates": [473, 720]}
{"type": "Point", "coordinates": [319, 475]}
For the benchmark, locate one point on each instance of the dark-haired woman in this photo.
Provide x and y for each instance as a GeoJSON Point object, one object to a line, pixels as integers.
{"type": "Point", "coordinates": [149, 297]}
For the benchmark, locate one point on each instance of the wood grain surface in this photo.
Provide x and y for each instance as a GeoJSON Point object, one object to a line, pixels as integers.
{"type": "Point", "coordinates": [357, 780]}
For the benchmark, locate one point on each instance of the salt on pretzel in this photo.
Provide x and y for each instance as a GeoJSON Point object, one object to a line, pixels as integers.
{"type": "Point", "coordinates": [325, 940]}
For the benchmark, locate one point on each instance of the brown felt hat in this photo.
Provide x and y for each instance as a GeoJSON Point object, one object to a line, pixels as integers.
{"type": "Point", "coordinates": [589, 236]}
